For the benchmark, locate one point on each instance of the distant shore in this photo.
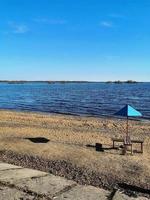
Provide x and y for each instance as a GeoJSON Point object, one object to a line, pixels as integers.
{"type": "Point", "coordinates": [49, 82]}
{"type": "Point", "coordinates": [64, 82]}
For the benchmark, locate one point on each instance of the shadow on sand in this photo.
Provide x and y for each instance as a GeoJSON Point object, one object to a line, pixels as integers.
{"type": "Point", "coordinates": [38, 140]}
{"type": "Point", "coordinates": [99, 147]}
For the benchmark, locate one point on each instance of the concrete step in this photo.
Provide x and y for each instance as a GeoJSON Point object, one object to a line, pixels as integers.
{"type": "Point", "coordinates": [7, 193]}
{"type": "Point", "coordinates": [49, 185]}
{"type": "Point", "coordinates": [84, 193]}
{"type": "Point", "coordinates": [11, 175]}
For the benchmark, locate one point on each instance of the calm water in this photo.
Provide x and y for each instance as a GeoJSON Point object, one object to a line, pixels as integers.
{"type": "Point", "coordinates": [92, 99]}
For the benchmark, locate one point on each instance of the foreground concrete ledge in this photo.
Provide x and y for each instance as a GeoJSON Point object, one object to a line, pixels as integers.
{"type": "Point", "coordinates": [120, 196]}
{"type": "Point", "coordinates": [7, 193]}
{"type": "Point", "coordinates": [84, 193]}
{"type": "Point", "coordinates": [5, 166]}
{"type": "Point", "coordinates": [11, 175]}
{"type": "Point", "coordinates": [49, 185]}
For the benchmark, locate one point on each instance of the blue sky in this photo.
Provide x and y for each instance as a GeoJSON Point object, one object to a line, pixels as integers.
{"type": "Point", "coordinates": [95, 40]}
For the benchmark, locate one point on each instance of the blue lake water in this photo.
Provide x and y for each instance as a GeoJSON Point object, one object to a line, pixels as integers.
{"type": "Point", "coordinates": [90, 99]}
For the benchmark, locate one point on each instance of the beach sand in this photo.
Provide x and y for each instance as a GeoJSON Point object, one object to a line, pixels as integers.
{"type": "Point", "coordinates": [71, 152]}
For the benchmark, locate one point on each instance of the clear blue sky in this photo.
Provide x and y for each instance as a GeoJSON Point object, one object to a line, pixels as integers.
{"type": "Point", "coordinates": [75, 40]}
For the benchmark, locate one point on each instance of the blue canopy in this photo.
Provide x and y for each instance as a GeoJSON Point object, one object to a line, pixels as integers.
{"type": "Point", "coordinates": [128, 111]}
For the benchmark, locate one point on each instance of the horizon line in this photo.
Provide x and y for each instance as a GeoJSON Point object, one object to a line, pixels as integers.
{"type": "Point", "coordinates": [95, 81]}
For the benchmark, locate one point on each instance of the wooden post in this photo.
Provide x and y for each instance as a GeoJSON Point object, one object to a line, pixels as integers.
{"type": "Point", "coordinates": [127, 125]}
{"type": "Point", "coordinates": [141, 147]}
{"type": "Point", "coordinates": [131, 150]}
{"type": "Point", "coordinates": [113, 144]}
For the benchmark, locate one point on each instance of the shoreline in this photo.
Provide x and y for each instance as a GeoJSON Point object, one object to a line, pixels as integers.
{"type": "Point", "coordinates": [111, 117]}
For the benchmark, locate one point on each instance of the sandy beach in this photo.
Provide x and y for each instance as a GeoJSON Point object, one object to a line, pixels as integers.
{"type": "Point", "coordinates": [70, 149]}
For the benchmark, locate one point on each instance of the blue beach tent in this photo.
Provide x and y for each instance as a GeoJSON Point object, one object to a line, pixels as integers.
{"type": "Point", "coordinates": [128, 111]}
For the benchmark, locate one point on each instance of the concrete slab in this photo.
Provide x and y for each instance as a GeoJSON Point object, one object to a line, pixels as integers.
{"type": "Point", "coordinates": [13, 194]}
{"type": "Point", "coordinates": [5, 166]}
{"type": "Point", "coordinates": [120, 196]}
{"type": "Point", "coordinates": [11, 175]}
{"type": "Point", "coordinates": [48, 185]}
{"type": "Point", "coordinates": [84, 193]}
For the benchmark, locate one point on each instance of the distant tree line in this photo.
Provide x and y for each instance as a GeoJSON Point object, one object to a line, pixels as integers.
{"type": "Point", "coordinates": [63, 82]}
